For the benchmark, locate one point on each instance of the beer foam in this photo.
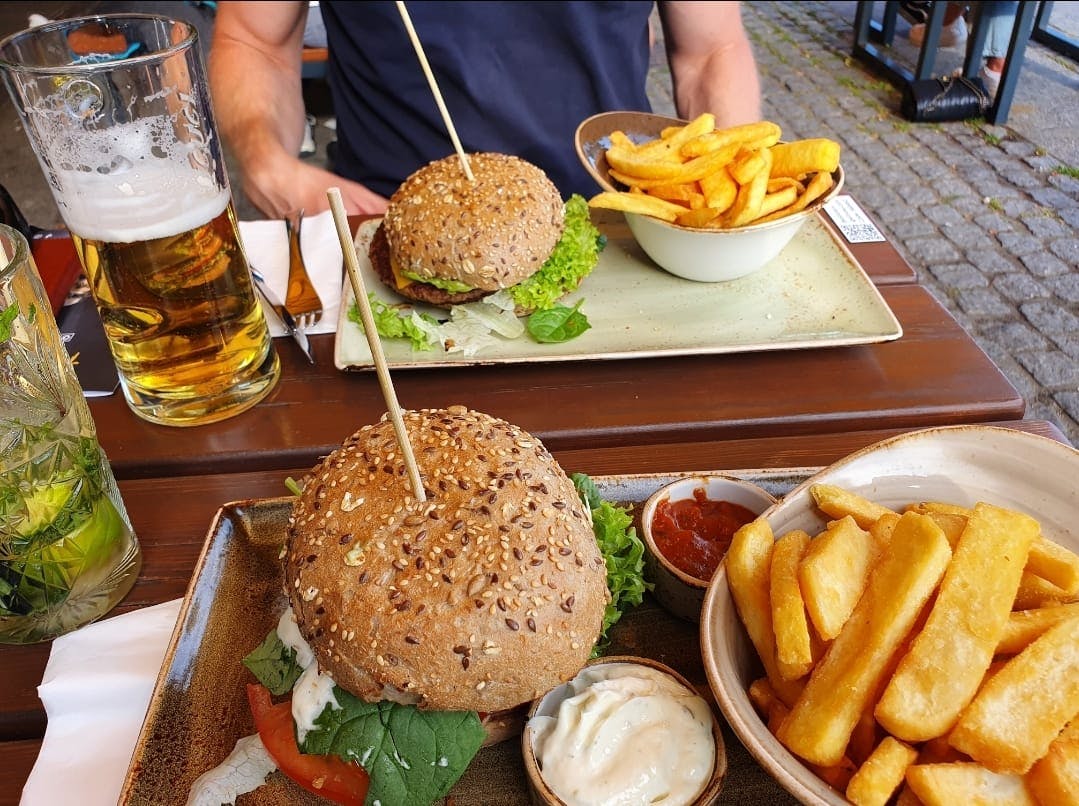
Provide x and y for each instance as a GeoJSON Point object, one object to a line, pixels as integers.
{"type": "Point", "coordinates": [135, 182]}
{"type": "Point", "coordinates": [151, 203]}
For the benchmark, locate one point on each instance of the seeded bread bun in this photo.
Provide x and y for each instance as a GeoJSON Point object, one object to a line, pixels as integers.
{"type": "Point", "coordinates": [481, 598]}
{"type": "Point", "coordinates": [489, 233]}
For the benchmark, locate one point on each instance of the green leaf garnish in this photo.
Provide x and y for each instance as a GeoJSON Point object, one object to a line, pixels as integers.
{"type": "Point", "coordinates": [413, 757]}
{"type": "Point", "coordinates": [274, 664]}
{"type": "Point", "coordinates": [572, 259]}
{"type": "Point", "coordinates": [558, 324]}
{"type": "Point", "coordinates": [622, 550]}
{"type": "Point", "coordinates": [393, 323]}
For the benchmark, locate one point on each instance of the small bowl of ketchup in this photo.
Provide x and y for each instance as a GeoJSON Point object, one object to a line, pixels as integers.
{"type": "Point", "coordinates": [688, 525]}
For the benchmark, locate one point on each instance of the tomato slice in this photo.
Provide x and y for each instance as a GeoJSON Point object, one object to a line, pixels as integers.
{"type": "Point", "coordinates": [328, 776]}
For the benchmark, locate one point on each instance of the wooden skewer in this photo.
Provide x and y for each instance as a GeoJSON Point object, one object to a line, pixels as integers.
{"type": "Point", "coordinates": [434, 88]}
{"type": "Point", "coordinates": [344, 234]}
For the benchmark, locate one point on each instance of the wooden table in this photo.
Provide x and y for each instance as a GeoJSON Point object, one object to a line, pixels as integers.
{"type": "Point", "coordinates": [172, 515]}
{"type": "Point", "coordinates": [934, 375]}
{"type": "Point", "coordinates": [760, 410]}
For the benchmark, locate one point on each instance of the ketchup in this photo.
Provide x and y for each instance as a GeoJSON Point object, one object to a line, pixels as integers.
{"type": "Point", "coordinates": [694, 533]}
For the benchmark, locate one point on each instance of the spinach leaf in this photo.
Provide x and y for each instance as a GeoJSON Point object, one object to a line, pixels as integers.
{"type": "Point", "coordinates": [274, 664]}
{"type": "Point", "coordinates": [558, 324]}
{"type": "Point", "coordinates": [413, 757]}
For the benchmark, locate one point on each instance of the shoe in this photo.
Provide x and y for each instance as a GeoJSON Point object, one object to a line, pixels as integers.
{"type": "Point", "coordinates": [915, 11]}
{"type": "Point", "coordinates": [991, 80]}
{"type": "Point", "coordinates": [951, 36]}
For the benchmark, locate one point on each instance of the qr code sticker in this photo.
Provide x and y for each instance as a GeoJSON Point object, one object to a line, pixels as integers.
{"type": "Point", "coordinates": [861, 232]}
{"type": "Point", "coordinates": [852, 220]}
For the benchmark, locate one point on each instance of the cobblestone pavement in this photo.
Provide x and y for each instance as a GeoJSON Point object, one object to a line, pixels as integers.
{"type": "Point", "coordinates": [987, 216]}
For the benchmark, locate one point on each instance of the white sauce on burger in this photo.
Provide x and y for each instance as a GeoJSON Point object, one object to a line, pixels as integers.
{"type": "Point", "coordinates": [314, 690]}
{"type": "Point", "coordinates": [625, 734]}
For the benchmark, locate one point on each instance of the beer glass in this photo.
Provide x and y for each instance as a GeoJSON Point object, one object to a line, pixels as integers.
{"type": "Point", "coordinates": [118, 112]}
{"type": "Point", "coordinates": [67, 551]}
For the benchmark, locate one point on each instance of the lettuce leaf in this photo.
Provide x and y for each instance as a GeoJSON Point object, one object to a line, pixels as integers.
{"type": "Point", "coordinates": [573, 258]}
{"type": "Point", "coordinates": [452, 286]}
{"type": "Point", "coordinates": [622, 550]}
{"type": "Point", "coordinates": [392, 323]}
{"type": "Point", "coordinates": [413, 757]}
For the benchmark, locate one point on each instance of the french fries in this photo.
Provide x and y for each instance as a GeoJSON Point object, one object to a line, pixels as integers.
{"type": "Point", "coordinates": [881, 774]}
{"type": "Point", "coordinates": [955, 676]}
{"type": "Point", "coordinates": [720, 178]}
{"type": "Point", "coordinates": [1023, 707]}
{"type": "Point", "coordinates": [941, 673]}
{"type": "Point", "coordinates": [833, 574]}
{"type": "Point", "coordinates": [841, 686]}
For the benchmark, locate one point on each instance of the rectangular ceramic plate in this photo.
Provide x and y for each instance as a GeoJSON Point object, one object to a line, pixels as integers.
{"type": "Point", "coordinates": [199, 709]}
{"type": "Point", "coordinates": [813, 294]}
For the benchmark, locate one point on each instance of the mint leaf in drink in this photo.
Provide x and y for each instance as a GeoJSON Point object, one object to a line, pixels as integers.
{"type": "Point", "coordinates": [274, 665]}
{"type": "Point", "coordinates": [7, 316]}
{"type": "Point", "coordinates": [558, 324]}
{"type": "Point", "coordinates": [413, 757]}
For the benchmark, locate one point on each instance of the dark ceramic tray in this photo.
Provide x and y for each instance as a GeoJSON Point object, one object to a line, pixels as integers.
{"type": "Point", "coordinates": [199, 708]}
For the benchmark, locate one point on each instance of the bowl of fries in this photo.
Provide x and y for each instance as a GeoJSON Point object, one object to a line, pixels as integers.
{"type": "Point", "coordinates": [905, 623]}
{"type": "Point", "coordinates": [707, 204]}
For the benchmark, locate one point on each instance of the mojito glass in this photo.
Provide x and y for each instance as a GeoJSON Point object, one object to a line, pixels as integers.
{"type": "Point", "coordinates": [67, 550]}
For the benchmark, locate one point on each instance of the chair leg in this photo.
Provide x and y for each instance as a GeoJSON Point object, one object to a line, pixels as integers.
{"type": "Point", "coordinates": [927, 56]}
{"type": "Point", "coordinates": [1013, 64]}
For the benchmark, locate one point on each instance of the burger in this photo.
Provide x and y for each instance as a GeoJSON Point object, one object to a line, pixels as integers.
{"type": "Point", "coordinates": [480, 598]}
{"type": "Point", "coordinates": [447, 240]}
{"type": "Point", "coordinates": [419, 630]}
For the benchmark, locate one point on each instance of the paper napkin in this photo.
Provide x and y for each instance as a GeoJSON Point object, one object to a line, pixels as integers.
{"type": "Point", "coordinates": [96, 689]}
{"type": "Point", "coordinates": [266, 245]}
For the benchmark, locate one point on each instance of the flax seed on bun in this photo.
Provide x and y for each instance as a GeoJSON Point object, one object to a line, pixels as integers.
{"type": "Point", "coordinates": [489, 233]}
{"type": "Point", "coordinates": [481, 598]}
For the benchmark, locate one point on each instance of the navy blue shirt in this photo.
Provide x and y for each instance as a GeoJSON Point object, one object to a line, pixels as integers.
{"type": "Point", "coordinates": [516, 78]}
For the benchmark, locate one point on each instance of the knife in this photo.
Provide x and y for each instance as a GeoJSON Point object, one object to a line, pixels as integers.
{"type": "Point", "coordinates": [282, 314]}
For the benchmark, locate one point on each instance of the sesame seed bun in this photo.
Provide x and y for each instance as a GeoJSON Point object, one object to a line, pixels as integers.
{"type": "Point", "coordinates": [481, 598]}
{"type": "Point", "coordinates": [490, 233]}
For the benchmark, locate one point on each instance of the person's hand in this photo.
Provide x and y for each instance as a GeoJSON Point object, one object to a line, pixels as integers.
{"type": "Point", "coordinates": [291, 185]}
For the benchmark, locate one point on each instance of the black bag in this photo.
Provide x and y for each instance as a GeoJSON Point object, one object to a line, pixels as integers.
{"type": "Point", "coordinates": [947, 98]}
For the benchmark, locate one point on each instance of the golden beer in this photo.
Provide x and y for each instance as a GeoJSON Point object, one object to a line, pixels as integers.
{"type": "Point", "coordinates": [127, 141]}
{"type": "Point", "coordinates": [183, 323]}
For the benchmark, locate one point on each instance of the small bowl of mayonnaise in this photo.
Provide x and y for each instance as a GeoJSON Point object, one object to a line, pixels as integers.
{"type": "Point", "coordinates": [624, 730]}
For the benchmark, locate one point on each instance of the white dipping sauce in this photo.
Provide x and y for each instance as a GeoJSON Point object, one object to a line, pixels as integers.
{"type": "Point", "coordinates": [624, 734]}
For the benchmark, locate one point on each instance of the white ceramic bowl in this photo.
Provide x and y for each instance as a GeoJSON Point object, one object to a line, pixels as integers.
{"type": "Point", "coordinates": [679, 592]}
{"type": "Point", "coordinates": [548, 705]}
{"type": "Point", "coordinates": [704, 255]}
{"type": "Point", "coordinates": [956, 464]}
{"type": "Point", "coordinates": [717, 255]}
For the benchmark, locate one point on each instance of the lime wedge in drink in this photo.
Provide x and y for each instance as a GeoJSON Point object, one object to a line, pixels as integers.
{"type": "Point", "coordinates": [65, 529]}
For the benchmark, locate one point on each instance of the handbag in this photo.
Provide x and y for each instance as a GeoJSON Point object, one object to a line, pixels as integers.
{"type": "Point", "coordinates": [933, 100]}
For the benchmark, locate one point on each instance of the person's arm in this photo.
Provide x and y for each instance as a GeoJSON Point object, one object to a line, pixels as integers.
{"type": "Point", "coordinates": [255, 68]}
{"type": "Point", "coordinates": [712, 64]}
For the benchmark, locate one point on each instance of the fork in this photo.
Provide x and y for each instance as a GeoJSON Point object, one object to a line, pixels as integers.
{"type": "Point", "coordinates": [301, 300]}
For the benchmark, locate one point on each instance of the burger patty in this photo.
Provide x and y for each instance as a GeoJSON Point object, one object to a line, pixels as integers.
{"type": "Point", "coordinates": [379, 254]}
